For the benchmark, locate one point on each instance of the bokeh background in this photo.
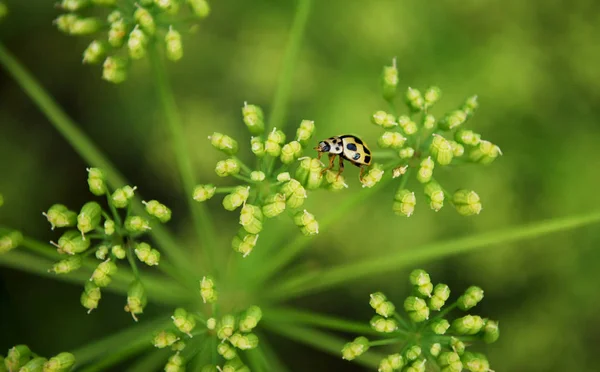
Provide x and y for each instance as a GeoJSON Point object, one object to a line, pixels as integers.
{"type": "Point", "coordinates": [534, 66]}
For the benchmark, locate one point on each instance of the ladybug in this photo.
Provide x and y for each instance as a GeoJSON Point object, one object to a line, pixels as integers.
{"type": "Point", "coordinates": [348, 147]}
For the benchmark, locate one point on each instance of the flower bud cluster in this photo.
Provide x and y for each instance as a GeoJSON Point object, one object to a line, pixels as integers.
{"type": "Point", "coordinates": [279, 182]}
{"type": "Point", "coordinates": [129, 29]}
{"type": "Point", "coordinates": [425, 144]}
{"type": "Point", "coordinates": [21, 358]}
{"type": "Point", "coordinates": [431, 339]}
{"type": "Point", "coordinates": [234, 332]}
{"type": "Point", "coordinates": [110, 234]}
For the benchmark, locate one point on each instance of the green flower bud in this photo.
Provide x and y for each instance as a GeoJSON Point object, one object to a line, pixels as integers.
{"type": "Point", "coordinates": [226, 327]}
{"type": "Point", "coordinates": [355, 348]}
{"type": "Point", "coordinates": [416, 308]}
{"type": "Point", "coordinates": [389, 81]}
{"type": "Point", "coordinates": [473, 295]}
{"type": "Point", "coordinates": [383, 325]}
{"type": "Point", "coordinates": [211, 323]}
{"type": "Point", "coordinates": [429, 122]}
{"type": "Point", "coordinates": [486, 153]}
{"type": "Point", "coordinates": [441, 149]}
{"type": "Point", "coordinates": [17, 357]}
{"type": "Point", "coordinates": [89, 217]}
{"type": "Point", "coordinates": [84, 26]}
{"type": "Point", "coordinates": [417, 366]}
{"type": "Point", "coordinates": [137, 224]}
{"type": "Point", "coordinates": [274, 141]}
{"type": "Point", "coordinates": [227, 167]}
{"type": "Point", "coordinates": [373, 176]}
{"type": "Point", "coordinates": [294, 193]}
{"type": "Point", "coordinates": [244, 242]}
{"type": "Point", "coordinates": [470, 105]}
{"type": "Point", "coordinates": [435, 349]}
{"type": "Point", "coordinates": [441, 292]}
{"type": "Point", "coordinates": [204, 192]}
{"type": "Point", "coordinates": [426, 170]}
{"type": "Point", "coordinates": [440, 326]}
{"type": "Point", "coordinates": [102, 274]}
{"type": "Point", "coordinates": [246, 342]}
{"type": "Point", "coordinates": [476, 362]}
{"type": "Point", "coordinates": [457, 149]}
{"type": "Point", "coordinates": [224, 143]}
{"type": "Point", "coordinates": [453, 120]}
{"type": "Point", "coordinates": [102, 252]}
{"type": "Point", "coordinates": [406, 153]}
{"type": "Point", "coordinates": [119, 252]}
{"type": "Point", "coordinates": [414, 99]}
{"type": "Point", "coordinates": [34, 365]}
{"type": "Point", "coordinates": [334, 181]}
{"type": "Point", "coordinates": [64, 22]}
{"type": "Point", "coordinates": [467, 137]}
{"type": "Point", "coordinates": [158, 210]}
{"type": "Point", "coordinates": [136, 299]}
{"type": "Point", "coordinates": [178, 346]}
{"type": "Point", "coordinates": [307, 223]}
{"type": "Point", "coordinates": [274, 205]}
{"type": "Point", "coordinates": [201, 8]}
{"type": "Point", "coordinates": [466, 202]}
{"type": "Point", "coordinates": [257, 176]}
{"type": "Point", "coordinates": [404, 202]}
{"type": "Point", "coordinates": [457, 345]}
{"type": "Point", "coordinates": [432, 95]}
{"type": "Point", "coordinates": [310, 173]}
{"type": "Point", "coordinates": [164, 339]}
{"type": "Point", "coordinates": [305, 131]}
{"type": "Point", "coordinates": [257, 145]}
{"type": "Point", "coordinates": [419, 277]}
{"type": "Point", "coordinates": [137, 43]}
{"type": "Point", "coordinates": [60, 363]}
{"type": "Point", "coordinates": [386, 309]}
{"type": "Point", "coordinates": [146, 254]}
{"type": "Point", "coordinates": [408, 126]}
{"type": "Point", "coordinates": [169, 6]}
{"type": "Point", "coordinates": [96, 180]}
{"type": "Point", "coordinates": [115, 69]}
{"type": "Point", "coordinates": [175, 362]}
{"type": "Point", "coordinates": [413, 352]}
{"type": "Point", "coordinates": [121, 197]}
{"type": "Point", "coordinates": [491, 332]}
{"type": "Point", "coordinates": [117, 32]}
{"type": "Point", "coordinates": [253, 118]}
{"type": "Point", "coordinates": [383, 119]}
{"type": "Point", "coordinates": [250, 318]}
{"type": "Point", "coordinates": [174, 46]}
{"type": "Point", "coordinates": [376, 299]}
{"type": "Point", "coordinates": [91, 296]}
{"type": "Point", "coordinates": [251, 218]}
{"type": "Point", "coordinates": [67, 265]}
{"type": "Point", "coordinates": [236, 198]}
{"type": "Point", "coordinates": [283, 177]}
{"type": "Point", "coordinates": [114, 16]}
{"type": "Point", "coordinates": [391, 139]}
{"type": "Point", "coordinates": [450, 362]}
{"type": "Point", "coordinates": [436, 195]}
{"type": "Point", "coordinates": [207, 290]}
{"type": "Point", "coordinates": [468, 325]}
{"type": "Point", "coordinates": [290, 152]}
{"type": "Point", "coordinates": [183, 321]}
{"type": "Point", "coordinates": [60, 216]}
{"type": "Point", "coordinates": [144, 18]}
{"type": "Point", "coordinates": [226, 351]}
{"type": "Point", "coordinates": [71, 242]}
{"type": "Point", "coordinates": [392, 362]}
{"type": "Point", "coordinates": [399, 171]}
{"type": "Point", "coordinates": [94, 54]}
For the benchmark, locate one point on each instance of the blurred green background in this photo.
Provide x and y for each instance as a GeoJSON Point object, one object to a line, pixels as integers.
{"type": "Point", "coordinates": [534, 66]}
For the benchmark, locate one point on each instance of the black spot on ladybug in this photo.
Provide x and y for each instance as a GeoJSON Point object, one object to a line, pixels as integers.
{"type": "Point", "coordinates": [367, 151]}
{"type": "Point", "coordinates": [351, 147]}
{"type": "Point", "coordinates": [338, 148]}
{"type": "Point", "coordinates": [367, 159]}
{"type": "Point", "coordinates": [358, 140]}
{"type": "Point", "coordinates": [356, 156]}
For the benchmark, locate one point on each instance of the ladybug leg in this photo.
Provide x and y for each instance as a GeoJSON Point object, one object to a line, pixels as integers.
{"type": "Point", "coordinates": [331, 158]}
{"type": "Point", "coordinates": [362, 170]}
{"type": "Point", "coordinates": [341, 168]}
{"type": "Point", "coordinates": [319, 155]}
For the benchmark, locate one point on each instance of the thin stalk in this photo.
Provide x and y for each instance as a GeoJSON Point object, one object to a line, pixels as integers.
{"type": "Point", "coordinates": [284, 86]}
{"type": "Point", "coordinates": [316, 281]}
{"type": "Point", "coordinates": [82, 145]}
{"type": "Point", "coordinates": [321, 341]}
{"type": "Point", "coordinates": [119, 346]}
{"type": "Point", "coordinates": [200, 215]}
{"type": "Point", "coordinates": [387, 341]}
{"type": "Point", "coordinates": [152, 361]}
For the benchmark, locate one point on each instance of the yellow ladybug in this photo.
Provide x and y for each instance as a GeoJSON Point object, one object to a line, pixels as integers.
{"type": "Point", "coordinates": [348, 147]}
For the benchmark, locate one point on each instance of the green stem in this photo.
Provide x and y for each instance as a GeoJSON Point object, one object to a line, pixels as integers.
{"type": "Point", "coordinates": [82, 145]}
{"type": "Point", "coordinates": [131, 259]}
{"type": "Point", "coordinates": [119, 346]}
{"type": "Point", "coordinates": [321, 341]}
{"type": "Point", "coordinates": [387, 341]}
{"type": "Point", "coordinates": [150, 361]}
{"type": "Point", "coordinates": [284, 86]}
{"type": "Point", "coordinates": [315, 281]}
{"type": "Point", "coordinates": [200, 215]}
